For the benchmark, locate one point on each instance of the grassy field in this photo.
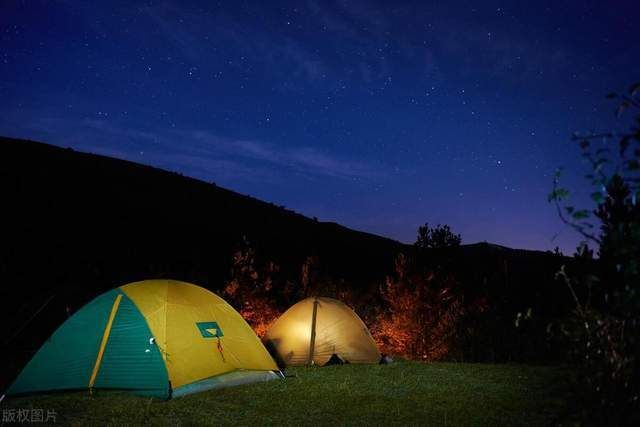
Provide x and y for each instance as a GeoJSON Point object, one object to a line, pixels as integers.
{"type": "Point", "coordinates": [403, 393]}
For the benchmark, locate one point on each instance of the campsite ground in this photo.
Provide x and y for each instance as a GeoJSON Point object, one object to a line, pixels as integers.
{"type": "Point", "coordinates": [401, 393]}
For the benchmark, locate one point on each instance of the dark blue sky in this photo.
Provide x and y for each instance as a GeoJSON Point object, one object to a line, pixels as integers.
{"type": "Point", "coordinates": [378, 115]}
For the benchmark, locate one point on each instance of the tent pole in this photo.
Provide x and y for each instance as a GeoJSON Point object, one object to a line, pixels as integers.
{"type": "Point", "coordinates": [105, 338]}
{"type": "Point", "coordinates": [312, 341]}
{"type": "Point", "coordinates": [17, 332]}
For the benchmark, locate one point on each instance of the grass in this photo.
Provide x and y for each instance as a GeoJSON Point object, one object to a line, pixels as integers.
{"type": "Point", "coordinates": [403, 393]}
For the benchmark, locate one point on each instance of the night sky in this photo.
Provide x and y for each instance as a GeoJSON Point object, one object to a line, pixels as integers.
{"type": "Point", "coordinates": [378, 115]}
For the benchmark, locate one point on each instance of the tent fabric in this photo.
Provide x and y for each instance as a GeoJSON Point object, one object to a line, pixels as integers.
{"type": "Point", "coordinates": [129, 361]}
{"type": "Point", "coordinates": [158, 338]}
{"type": "Point", "coordinates": [173, 312]}
{"type": "Point", "coordinates": [298, 337]}
{"type": "Point", "coordinates": [231, 379]}
{"type": "Point", "coordinates": [65, 361]}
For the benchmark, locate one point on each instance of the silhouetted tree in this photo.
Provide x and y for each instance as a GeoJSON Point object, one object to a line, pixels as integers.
{"type": "Point", "coordinates": [619, 215]}
{"type": "Point", "coordinates": [434, 238]}
{"type": "Point", "coordinates": [583, 251]}
{"type": "Point", "coordinates": [605, 340]}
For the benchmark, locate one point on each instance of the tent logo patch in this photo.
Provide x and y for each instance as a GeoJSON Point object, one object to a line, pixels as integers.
{"type": "Point", "coordinates": [209, 329]}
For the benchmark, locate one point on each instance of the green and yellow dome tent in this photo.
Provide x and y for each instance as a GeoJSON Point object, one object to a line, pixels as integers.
{"type": "Point", "coordinates": [160, 338]}
{"type": "Point", "coordinates": [316, 331]}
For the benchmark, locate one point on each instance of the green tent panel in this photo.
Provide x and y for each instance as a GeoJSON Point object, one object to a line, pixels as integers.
{"type": "Point", "coordinates": [67, 359]}
{"type": "Point", "coordinates": [131, 361]}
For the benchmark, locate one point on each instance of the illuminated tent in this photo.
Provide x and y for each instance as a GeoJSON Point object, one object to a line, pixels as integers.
{"type": "Point", "coordinates": [317, 330]}
{"type": "Point", "coordinates": [158, 338]}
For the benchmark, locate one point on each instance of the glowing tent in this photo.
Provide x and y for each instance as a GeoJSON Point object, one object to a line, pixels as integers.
{"type": "Point", "coordinates": [159, 338]}
{"type": "Point", "coordinates": [315, 330]}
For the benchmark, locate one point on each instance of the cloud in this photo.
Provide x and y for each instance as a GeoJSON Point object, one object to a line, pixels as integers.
{"type": "Point", "coordinates": [508, 55]}
{"type": "Point", "coordinates": [196, 151]}
{"type": "Point", "coordinates": [301, 159]}
{"type": "Point", "coordinates": [195, 34]}
{"type": "Point", "coordinates": [360, 24]}
{"type": "Point", "coordinates": [177, 26]}
{"type": "Point", "coordinates": [353, 19]}
{"type": "Point", "coordinates": [312, 53]}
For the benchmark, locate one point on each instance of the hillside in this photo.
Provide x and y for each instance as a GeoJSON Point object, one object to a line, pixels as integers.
{"type": "Point", "coordinates": [67, 209]}
{"type": "Point", "coordinates": [76, 224]}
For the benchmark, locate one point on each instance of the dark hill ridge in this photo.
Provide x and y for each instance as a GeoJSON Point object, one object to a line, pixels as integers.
{"type": "Point", "coordinates": [76, 224]}
{"type": "Point", "coordinates": [72, 196]}
{"type": "Point", "coordinates": [92, 222]}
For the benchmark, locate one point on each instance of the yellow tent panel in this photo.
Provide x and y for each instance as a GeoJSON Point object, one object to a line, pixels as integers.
{"type": "Point", "coordinates": [180, 315]}
{"type": "Point", "coordinates": [314, 329]}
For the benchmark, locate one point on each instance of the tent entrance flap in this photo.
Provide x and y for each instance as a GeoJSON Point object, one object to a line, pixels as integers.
{"type": "Point", "coordinates": [105, 338]}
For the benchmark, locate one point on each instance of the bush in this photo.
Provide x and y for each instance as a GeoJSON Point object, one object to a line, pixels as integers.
{"type": "Point", "coordinates": [603, 336]}
{"type": "Point", "coordinates": [419, 314]}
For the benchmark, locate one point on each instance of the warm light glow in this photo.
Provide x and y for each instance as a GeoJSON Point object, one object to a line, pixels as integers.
{"type": "Point", "coordinates": [300, 330]}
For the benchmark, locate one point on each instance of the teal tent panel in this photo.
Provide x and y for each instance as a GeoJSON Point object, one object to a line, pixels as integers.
{"type": "Point", "coordinates": [65, 361]}
{"type": "Point", "coordinates": [131, 359]}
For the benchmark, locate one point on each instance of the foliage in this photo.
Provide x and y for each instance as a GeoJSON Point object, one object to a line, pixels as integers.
{"type": "Point", "coordinates": [583, 251]}
{"type": "Point", "coordinates": [416, 314]}
{"type": "Point", "coordinates": [251, 293]}
{"type": "Point", "coordinates": [419, 314]}
{"type": "Point", "coordinates": [599, 344]}
{"type": "Point", "coordinates": [434, 238]}
{"type": "Point", "coordinates": [619, 215]}
{"type": "Point", "coordinates": [430, 307]}
{"type": "Point", "coordinates": [261, 293]}
{"type": "Point", "coordinates": [604, 337]}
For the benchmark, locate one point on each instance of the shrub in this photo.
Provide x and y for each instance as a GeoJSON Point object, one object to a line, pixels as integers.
{"type": "Point", "coordinates": [603, 337]}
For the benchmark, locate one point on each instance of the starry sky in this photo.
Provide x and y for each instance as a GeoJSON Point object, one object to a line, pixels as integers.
{"type": "Point", "coordinates": [378, 115]}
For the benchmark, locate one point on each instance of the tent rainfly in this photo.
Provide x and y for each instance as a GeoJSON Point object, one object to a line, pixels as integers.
{"type": "Point", "coordinates": [159, 338]}
{"type": "Point", "coordinates": [315, 331]}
